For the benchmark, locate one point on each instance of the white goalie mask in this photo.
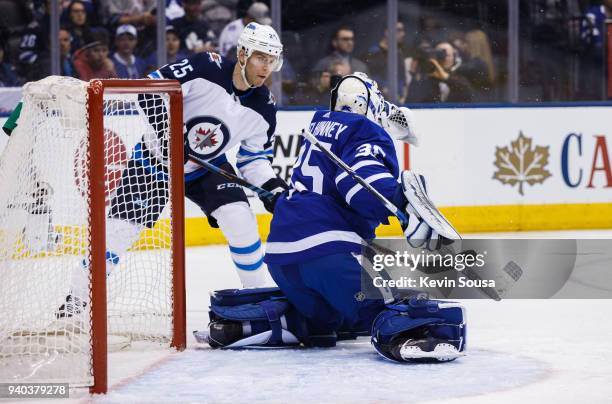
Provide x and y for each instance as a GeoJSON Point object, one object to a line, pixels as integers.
{"type": "Point", "coordinates": [359, 94]}
{"type": "Point", "coordinates": [262, 38]}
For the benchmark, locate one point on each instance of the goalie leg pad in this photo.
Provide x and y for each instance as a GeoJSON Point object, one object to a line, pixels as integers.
{"type": "Point", "coordinates": [253, 318]}
{"type": "Point", "coordinates": [414, 328]}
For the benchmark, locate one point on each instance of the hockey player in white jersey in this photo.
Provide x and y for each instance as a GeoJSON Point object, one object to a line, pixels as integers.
{"type": "Point", "coordinates": [225, 104]}
{"type": "Point", "coordinates": [317, 234]}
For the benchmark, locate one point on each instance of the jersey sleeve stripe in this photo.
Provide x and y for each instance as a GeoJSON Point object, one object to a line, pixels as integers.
{"type": "Point", "coordinates": [369, 180]}
{"type": "Point", "coordinates": [356, 167]}
{"type": "Point", "coordinates": [241, 164]}
{"type": "Point", "coordinates": [155, 75]}
{"type": "Point", "coordinates": [244, 152]}
{"type": "Point", "coordinates": [279, 247]}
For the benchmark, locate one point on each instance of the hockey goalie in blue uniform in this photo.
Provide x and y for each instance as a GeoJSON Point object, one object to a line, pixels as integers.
{"type": "Point", "coordinates": [316, 238]}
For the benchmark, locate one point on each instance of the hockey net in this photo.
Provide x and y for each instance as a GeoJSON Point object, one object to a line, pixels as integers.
{"type": "Point", "coordinates": [59, 176]}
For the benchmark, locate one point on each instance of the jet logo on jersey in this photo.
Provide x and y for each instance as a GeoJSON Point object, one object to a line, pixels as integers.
{"type": "Point", "coordinates": [271, 99]}
{"type": "Point", "coordinates": [207, 139]}
{"type": "Point", "coordinates": [206, 136]}
{"type": "Point", "coordinates": [215, 58]}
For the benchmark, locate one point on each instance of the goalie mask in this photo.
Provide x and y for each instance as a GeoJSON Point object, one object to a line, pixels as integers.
{"type": "Point", "coordinates": [262, 38]}
{"type": "Point", "coordinates": [359, 94]}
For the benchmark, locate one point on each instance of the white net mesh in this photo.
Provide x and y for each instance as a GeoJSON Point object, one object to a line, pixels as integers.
{"type": "Point", "coordinates": [44, 239]}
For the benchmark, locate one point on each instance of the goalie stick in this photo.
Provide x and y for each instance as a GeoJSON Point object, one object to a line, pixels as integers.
{"type": "Point", "coordinates": [417, 196]}
{"type": "Point", "coordinates": [262, 193]}
{"type": "Point", "coordinates": [510, 270]}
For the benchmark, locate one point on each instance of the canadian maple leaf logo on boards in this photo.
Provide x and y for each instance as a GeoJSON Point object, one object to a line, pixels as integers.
{"type": "Point", "coordinates": [208, 137]}
{"type": "Point", "coordinates": [521, 163]}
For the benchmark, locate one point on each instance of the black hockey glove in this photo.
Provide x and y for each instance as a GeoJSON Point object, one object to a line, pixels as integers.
{"type": "Point", "coordinates": [277, 187]}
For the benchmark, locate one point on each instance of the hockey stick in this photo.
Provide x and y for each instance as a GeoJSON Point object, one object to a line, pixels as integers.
{"type": "Point", "coordinates": [388, 204]}
{"type": "Point", "coordinates": [262, 193]}
{"type": "Point", "coordinates": [416, 195]}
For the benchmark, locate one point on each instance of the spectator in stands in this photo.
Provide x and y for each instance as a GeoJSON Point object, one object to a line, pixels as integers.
{"type": "Point", "coordinates": [8, 77]}
{"type": "Point", "coordinates": [174, 52]}
{"type": "Point", "coordinates": [34, 45]}
{"type": "Point", "coordinates": [434, 77]}
{"type": "Point", "coordinates": [376, 58]}
{"type": "Point", "coordinates": [343, 44]}
{"type": "Point", "coordinates": [66, 64]}
{"type": "Point", "coordinates": [77, 24]}
{"type": "Point", "coordinates": [174, 9]}
{"type": "Point", "coordinates": [593, 32]}
{"type": "Point", "coordinates": [138, 13]}
{"type": "Point", "coordinates": [476, 62]}
{"type": "Point", "coordinates": [127, 65]}
{"type": "Point", "coordinates": [218, 15]}
{"type": "Point", "coordinates": [319, 93]}
{"type": "Point", "coordinates": [35, 55]}
{"type": "Point", "coordinates": [90, 11]}
{"type": "Point", "coordinates": [228, 40]}
{"type": "Point", "coordinates": [594, 24]}
{"type": "Point", "coordinates": [92, 61]}
{"type": "Point", "coordinates": [195, 34]}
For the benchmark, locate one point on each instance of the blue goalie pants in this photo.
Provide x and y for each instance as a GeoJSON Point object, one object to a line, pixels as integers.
{"type": "Point", "coordinates": [327, 292]}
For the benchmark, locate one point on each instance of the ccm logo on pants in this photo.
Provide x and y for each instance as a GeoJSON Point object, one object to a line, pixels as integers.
{"type": "Point", "coordinates": [227, 185]}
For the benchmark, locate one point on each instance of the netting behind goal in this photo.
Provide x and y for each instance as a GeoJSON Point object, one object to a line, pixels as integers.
{"type": "Point", "coordinates": [81, 153]}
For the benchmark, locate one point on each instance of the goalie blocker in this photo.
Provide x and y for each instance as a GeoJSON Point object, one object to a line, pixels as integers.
{"type": "Point", "coordinates": [409, 330]}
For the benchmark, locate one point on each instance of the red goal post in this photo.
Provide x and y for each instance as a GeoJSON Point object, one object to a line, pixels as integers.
{"type": "Point", "coordinates": [92, 249]}
{"type": "Point", "coordinates": [95, 108]}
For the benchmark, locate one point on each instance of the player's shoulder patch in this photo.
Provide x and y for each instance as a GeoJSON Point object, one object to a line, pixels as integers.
{"type": "Point", "coordinates": [215, 58]}
{"type": "Point", "coordinates": [271, 98]}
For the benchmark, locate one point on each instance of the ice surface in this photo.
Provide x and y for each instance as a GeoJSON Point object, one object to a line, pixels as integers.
{"type": "Point", "coordinates": [349, 373]}
{"type": "Point", "coordinates": [518, 351]}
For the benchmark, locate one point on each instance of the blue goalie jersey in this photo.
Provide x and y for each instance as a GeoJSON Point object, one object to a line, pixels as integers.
{"type": "Point", "coordinates": [326, 211]}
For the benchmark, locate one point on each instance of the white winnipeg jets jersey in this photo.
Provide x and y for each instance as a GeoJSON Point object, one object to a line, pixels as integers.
{"type": "Point", "coordinates": [218, 117]}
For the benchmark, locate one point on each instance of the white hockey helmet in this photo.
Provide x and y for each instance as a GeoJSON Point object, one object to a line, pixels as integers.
{"type": "Point", "coordinates": [359, 94]}
{"type": "Point", "coordinates": [262, 38]}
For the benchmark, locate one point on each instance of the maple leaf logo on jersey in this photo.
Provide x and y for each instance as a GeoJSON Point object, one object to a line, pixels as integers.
{"type": "Point", "coordinates": [207, 139]}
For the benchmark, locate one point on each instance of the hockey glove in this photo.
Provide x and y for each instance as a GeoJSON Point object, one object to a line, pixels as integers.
{"type": "Point", "coordinates": [418, 233]}
{"type": "Point", "coordinates": [429, 228]}
{"type": "Point", "coordinates": [399, 123]}
{"type": "Point", "coordinates": [276, 186]}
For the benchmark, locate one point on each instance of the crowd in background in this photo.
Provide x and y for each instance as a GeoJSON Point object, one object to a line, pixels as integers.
{"type": "Point", "coordinates": [440, 58]}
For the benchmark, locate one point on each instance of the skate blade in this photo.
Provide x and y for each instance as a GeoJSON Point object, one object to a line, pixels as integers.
{"type": "Point", "coordinates": [201, 336]}
{"type": "Point", "coordinates": [442, 353]}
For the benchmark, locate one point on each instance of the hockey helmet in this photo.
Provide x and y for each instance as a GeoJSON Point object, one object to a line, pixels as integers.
{"type": "Point", "coordinates": [359, 94]}
{"type": "Point", "coordinates": [262, 38]}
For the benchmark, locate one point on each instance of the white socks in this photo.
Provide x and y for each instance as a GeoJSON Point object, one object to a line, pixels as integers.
{"type": "Point", "coordinates": [237, 221]}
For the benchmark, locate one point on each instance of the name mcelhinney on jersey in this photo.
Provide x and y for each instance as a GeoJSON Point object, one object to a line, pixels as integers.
{"type": "Point", "coordinates": [327, 129]}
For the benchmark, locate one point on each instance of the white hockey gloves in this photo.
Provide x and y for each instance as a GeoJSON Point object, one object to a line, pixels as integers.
{"type": "Point", "coordinates": [427, 227]}
{"type": "Point", "coordinates": [399, 123]}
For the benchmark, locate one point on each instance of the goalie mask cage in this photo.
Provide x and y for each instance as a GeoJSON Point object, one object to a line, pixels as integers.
{"type": "Point", "coordinates": [61, 168]}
